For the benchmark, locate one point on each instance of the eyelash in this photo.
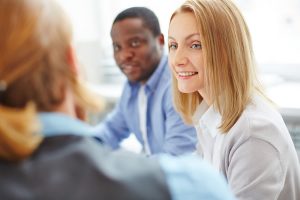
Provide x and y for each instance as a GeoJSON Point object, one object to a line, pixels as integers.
{"type": "Point", "coordinates": [193, 46]}
{"type": "Point", "coordinates": [196, 46]}
{"type": "Point", "coordinates": [172, 46]}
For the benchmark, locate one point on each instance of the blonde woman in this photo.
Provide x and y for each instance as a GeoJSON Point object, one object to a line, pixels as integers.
{"type": "Point", "coordinates": [46, 152]}
{"type": "Point", "coordinates": [215, 87]}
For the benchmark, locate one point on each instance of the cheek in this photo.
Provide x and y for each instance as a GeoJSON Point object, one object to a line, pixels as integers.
{"type": "Point", "coordinates": [171, 61]}
{"type": "Point", "coordinates": [145, 50]}
{"type": "Point", "coordinates": [197, 60]}
{"type": "Point", "coordinates": [199, 66]}
{"type": "Point", "coordinates": [117, 58]}
{"type": "Point", "coordinates": [171, 65]}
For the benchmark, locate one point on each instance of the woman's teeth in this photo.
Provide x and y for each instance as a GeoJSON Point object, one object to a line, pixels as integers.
{"type": "Point", "coordinates": [185, 74]}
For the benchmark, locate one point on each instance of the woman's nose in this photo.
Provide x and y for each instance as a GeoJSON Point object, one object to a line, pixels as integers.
{"type": "Point", "coordinates": [180, 58]}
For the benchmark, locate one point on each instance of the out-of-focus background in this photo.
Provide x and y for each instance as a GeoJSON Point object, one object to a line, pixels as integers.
{"type": "Point", "coordinates": [275, 29]}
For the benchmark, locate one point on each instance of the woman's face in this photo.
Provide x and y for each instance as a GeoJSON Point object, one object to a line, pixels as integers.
{"type": "Point", "coordinates": [185, 53]}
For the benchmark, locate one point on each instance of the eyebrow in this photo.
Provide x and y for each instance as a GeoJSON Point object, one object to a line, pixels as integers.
{"type": "Point", "coordinates": [188, 37]}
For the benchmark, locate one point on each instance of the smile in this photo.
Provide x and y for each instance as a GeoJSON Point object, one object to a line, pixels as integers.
{"type": "Point", "coordinates": [186, 74]}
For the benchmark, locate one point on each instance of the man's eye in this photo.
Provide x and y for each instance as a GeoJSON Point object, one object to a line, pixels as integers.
{"type": "Point", "coordinates": [135, 43]}
{"type": "Point", "coordinates": [196, 46]}
{"type": "Point", "coordinates": [116, 48]}
{"type": "Point", "coordinates": [172, 46]}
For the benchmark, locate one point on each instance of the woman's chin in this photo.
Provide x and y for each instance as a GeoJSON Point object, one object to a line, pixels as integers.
{"type": "Point", "coordinates": [186, 90]}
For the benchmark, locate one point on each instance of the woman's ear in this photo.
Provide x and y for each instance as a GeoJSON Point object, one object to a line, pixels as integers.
{"type": "Point", "coordinates": [71, 59]}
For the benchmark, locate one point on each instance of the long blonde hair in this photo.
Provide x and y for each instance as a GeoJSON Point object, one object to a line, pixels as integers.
{"type": "Point", "coordinates": [229, 74]}
{"type": "Point", "coordinates": [35, 37]}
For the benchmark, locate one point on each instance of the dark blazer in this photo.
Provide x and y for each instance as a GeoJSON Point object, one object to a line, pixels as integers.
{"type": "Point", "coordinates": [73, 167]}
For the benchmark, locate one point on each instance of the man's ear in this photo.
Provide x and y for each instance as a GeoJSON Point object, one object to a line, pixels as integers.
{"type": "Point", "coordinates": [71, 59]}
{"type": "Point", "coordinates": [161, 39]}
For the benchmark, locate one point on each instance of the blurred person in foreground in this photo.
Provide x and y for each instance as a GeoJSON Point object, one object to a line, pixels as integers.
{"type": "Point", "coordinates": [145, 107]}
{"type": "Point", "coordinates": [46, 152]}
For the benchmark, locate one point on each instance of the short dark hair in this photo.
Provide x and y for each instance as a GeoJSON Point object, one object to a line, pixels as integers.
{"type": "Point", "coordinates": [148, 16]}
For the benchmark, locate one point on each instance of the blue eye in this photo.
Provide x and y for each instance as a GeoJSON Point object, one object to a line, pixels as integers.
{"type": "Point", "coordinates": [196, 46]}
{"type": "Point", "coordinates": [172, 46]}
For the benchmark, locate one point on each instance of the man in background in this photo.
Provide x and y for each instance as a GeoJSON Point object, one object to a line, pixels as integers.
{"type": "Point", "coordinates": [145, 107]}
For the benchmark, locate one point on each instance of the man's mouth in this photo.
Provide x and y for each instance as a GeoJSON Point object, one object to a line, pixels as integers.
{"type": "Point", "coordinates": [128, 68]}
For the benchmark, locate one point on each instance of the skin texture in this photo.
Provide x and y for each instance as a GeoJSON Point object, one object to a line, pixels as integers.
{"type": "Point", "coordinates": [137, 51]}
{"type": "Point", "coordinates": [185, 53]}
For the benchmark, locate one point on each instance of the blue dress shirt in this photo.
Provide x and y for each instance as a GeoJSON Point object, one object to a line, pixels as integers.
{"type": "Point", "coordinates": [187, 177]}
{"type": "Point", "coordinates": [165, 129]}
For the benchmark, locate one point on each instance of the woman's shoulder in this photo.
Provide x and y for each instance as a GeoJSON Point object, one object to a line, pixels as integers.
{"type": "Point", "coordinates": [261, 122]}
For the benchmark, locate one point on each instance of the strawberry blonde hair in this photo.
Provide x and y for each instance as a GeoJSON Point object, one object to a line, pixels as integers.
{"type": "Point", "coordinates": [35, 37]}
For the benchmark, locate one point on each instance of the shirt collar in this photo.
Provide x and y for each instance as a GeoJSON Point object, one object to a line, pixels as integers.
{"type": "Point", "coordinates": [153, 81]}
{"type": "Point", "coordinates": [208, 118]}
{"type": "Point", "coordinates": [54, 124]}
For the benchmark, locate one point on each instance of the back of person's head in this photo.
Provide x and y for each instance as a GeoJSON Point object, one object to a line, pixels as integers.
{"type": "Point", "coordinates": [35, 37]}
{"type": "Point", "coordinates": [229, 74]}
{"type": "Point", "coordinates": [35, 70]}
{"type": "Point", "coordinates": [146, 15]}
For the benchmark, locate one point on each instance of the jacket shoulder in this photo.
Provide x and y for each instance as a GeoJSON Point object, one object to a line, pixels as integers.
{"type": "Point", "coordinates": [76, 167]}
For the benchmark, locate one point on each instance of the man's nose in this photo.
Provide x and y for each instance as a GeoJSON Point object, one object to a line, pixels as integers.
{"type": "Point", "coordinates": [126, 54]}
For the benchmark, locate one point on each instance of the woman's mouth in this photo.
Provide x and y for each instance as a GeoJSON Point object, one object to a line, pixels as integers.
{"type": "Point", "coordinates": [186, 74]}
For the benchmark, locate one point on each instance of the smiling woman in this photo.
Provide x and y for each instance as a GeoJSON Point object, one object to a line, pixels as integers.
{"type": "Point", "coordinates": [216, 89]}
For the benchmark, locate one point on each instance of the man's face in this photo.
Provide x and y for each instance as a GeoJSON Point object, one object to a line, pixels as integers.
{"type": "Point", "coordinates": [136, 51]}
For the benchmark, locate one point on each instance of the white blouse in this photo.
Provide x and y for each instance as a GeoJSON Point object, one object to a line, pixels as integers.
{"type": "Point", "coordinates": [257, 155]}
